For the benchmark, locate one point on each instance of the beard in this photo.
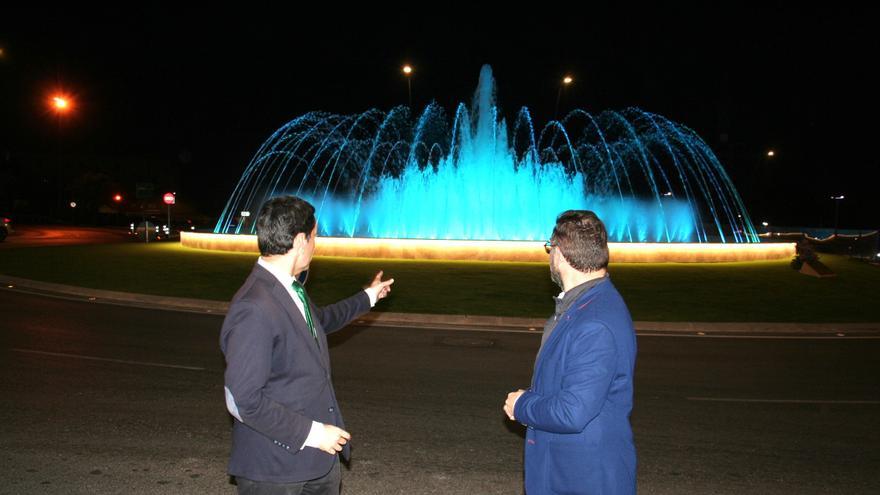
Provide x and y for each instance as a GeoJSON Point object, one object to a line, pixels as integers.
{"type": "Point", "coordinates": [554, 275]}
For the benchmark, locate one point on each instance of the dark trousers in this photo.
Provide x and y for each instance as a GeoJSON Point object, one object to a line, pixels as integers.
{"type": "Point", "coordinates": [325, 485]}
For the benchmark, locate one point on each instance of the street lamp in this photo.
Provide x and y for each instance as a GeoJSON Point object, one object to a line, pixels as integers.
{"type": "Point", "coordinates": [837, 200]}
{"type": "Point", "coordinates": [771, 154]}
{"type": "Point", "coordinates": [567, 80]}
{"type": "Point", "coordinates": [407, 71]}
{"type": "Point", "coordinates": [61, 104]}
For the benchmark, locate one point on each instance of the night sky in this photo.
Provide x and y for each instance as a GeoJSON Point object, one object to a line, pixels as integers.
{"type": "Point", "coordinates": [200, 90]}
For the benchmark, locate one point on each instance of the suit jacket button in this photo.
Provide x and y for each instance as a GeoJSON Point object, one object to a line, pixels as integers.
{"type": "Point", "coordinates": [330, 410]}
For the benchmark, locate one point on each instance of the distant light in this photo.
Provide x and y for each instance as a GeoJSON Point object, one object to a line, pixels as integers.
{"type": "Point", "coordinates": [73, 204]}
{"type": "Point", "coordinates": [61, 103]}
{"type": "Point", "coordinates": [117, 198]}
{"type": "Point", "coordinates": [771, 153]}
{"type": "Point", "coordinates": [407, 69]}
{"type": "Point", "coordinates": [765, 224]}
{"type": "Point", "coordinates": [668, 193]}
{"type": "Point", "coordinates": [838, 197]}
{"type": "Point", "coordinates": [245, 213]}
{"type": "Point", "coordinates": [192, 227]}
{"type": "Point", "coordinates": [567, 80]}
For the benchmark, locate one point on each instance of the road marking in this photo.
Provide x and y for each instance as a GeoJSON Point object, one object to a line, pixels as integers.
{"type": "Point", "coordinates": [109, 360]}
{"type": "Point", "coordinates": [784, 401]}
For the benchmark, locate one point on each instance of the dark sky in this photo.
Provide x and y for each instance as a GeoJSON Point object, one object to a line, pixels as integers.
{"type": "Point", "coordinates": [209, 85]}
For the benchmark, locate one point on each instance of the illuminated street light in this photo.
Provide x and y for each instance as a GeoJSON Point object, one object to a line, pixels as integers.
{"type": "Point", "coordinates": [771, 154]}
{"type": "Point", "coordinates": [61, 104]}
{"type": "Point", "coordinates": [566, 81]}
{"type": "Point", "coordinates": [117, 198]}
{"type": "Point", "coordinates": [407, 71]}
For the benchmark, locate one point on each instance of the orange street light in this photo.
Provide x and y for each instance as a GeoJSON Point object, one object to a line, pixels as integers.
{"type": "Point", "coordinates": [61, 103]}
{"type": "Point", "coordinates": [117, 198]}
{"type": "Point", "coordinates": [407, 71]}
{"type": "Point", "coordinates": [567, 80]}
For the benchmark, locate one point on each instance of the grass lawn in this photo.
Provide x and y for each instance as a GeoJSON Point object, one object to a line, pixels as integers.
{"type": "Point", "coordinates": [752, 291]}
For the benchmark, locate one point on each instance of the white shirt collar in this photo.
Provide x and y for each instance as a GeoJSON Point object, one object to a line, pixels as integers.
{"type": "Point", "coordinates": [286, 279]}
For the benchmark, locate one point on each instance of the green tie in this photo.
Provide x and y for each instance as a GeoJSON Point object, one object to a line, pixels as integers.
{"type": "Point", "coordinates": [301, 292]}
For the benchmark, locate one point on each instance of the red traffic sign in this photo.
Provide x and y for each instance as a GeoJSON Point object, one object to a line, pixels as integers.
{"type": "Point", "coordinates": [168, 198]}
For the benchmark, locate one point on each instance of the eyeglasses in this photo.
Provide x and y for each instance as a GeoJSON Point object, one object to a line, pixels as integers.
{"type": "Point", "coordinates": [548, 246]}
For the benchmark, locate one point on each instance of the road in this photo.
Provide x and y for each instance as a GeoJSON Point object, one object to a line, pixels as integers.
{"type": "Point", "coordinates": [109, 399]}
{"type": "Point", "coordinates": [61, 235]}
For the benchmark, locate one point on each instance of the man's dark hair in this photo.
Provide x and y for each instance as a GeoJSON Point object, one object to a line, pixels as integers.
{"type": "Point", "coordinates": [280, 220]}
{"type": "Point", "coordinates": [581, 237]}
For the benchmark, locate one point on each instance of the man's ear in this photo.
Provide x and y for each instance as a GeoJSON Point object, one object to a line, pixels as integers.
{"type": "Point", "coordinates": [561, 258]}
{"type": "Point", "coordinates": [299, 241]}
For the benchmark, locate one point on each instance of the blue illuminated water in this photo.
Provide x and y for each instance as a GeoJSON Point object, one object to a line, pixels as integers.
{"type": "Point", "coordinates": [379, 174]}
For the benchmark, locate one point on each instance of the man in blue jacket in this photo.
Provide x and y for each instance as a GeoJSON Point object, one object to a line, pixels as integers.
{"type": "Point", "coordinates": [288, 429]}
{"type": "Point", "coordinates": [578, 437]}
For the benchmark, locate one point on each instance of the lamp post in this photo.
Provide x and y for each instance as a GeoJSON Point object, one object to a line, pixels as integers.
{"type": "Point", "coordinates": [837, 200]}
{"type": "Point", "coordinates": [117, 198]}
{"type": "Point", "coordinates": [567, 80]}
{"type": "Point", "coordinates": [407, 71]}
{"type": "Point", "coordinates": [61, 105]}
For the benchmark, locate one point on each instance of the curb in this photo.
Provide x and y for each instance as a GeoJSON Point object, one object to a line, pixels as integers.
{"type": "Point", "coordinates": [440, 321]}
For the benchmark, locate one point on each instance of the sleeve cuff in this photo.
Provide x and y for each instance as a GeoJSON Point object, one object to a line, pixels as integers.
{"type": "Point", "coordinates": [314, 438]}
{"type": "Point", "coordinates": [373, 294]}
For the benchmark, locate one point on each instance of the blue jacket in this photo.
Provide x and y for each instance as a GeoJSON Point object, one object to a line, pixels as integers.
{"type": "Point", "coordinates": [280, 379]}
{"type": "Point", "coordinates": [579, 439]}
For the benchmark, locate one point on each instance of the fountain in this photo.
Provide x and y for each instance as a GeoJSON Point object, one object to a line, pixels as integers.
{"type": "Point", "coordinates": [394, 175]}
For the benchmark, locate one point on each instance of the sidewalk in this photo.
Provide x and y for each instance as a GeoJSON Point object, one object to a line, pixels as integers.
{"type": "Point", "coordinates": [441, 321]}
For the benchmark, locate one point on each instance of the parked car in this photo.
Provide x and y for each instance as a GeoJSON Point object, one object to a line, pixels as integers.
{"type": "Point", "coordinates": [5, 227]}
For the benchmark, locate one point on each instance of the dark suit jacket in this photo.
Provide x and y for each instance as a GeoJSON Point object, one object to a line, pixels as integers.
{"type": "Point", "coordinates": [280, 379]}
{"type": "Point", "coordinates": [577, 411]}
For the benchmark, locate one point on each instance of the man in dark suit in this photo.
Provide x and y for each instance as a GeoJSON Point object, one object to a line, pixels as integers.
{"type": "Point", "coordinates": [288, 429]}
{"type": "Point", "coordinates": [578, 436]}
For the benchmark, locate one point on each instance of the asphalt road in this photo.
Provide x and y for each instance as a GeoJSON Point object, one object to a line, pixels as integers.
{"type": "Point", "coordinates": [62, 235]}
{"type": "Point", "coordinates": [108, 399]}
